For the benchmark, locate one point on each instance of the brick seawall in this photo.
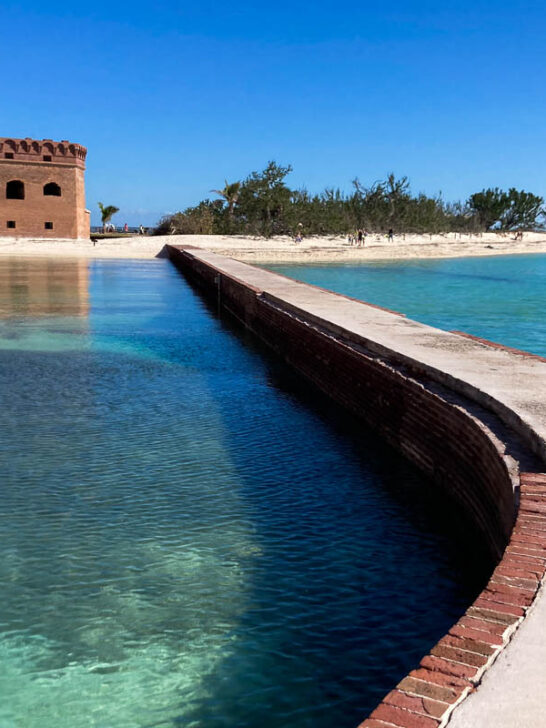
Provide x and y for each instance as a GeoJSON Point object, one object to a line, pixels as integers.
{"type": "Point", "coordinates": [471, 439]}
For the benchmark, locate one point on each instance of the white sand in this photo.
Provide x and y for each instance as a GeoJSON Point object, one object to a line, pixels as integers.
{"type": "Point", "coordinates": [283, 249]}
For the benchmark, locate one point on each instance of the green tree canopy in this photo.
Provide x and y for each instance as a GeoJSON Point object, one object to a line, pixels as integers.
{"type": "Point", "coordinates": [230, 193]}
{"type": "Point", "coordinates": [263, 199]}
{"type": "Point", "coordinates": [263, 204]}
{"type": "Point", "coordinates": [489, 206]}
{"type": "Point", "coordinates": [107, 212]}
{"type": "Point", "coordinates": [198, 220]}
{"type": "Point", "coordinates": [512, 210]}
{"type": "Point", "coordinates": [523, 210]}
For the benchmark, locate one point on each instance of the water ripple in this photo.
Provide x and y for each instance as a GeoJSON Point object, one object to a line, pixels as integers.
{"type": "Point", "coordinates": [183, 542]}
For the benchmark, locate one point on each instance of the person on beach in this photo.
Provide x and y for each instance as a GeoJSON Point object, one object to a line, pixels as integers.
{"type": "Point", "coordinates": [360, 237]}
{"type": "Point", "coordinates": [126, 228]}
{"type": "Point", "coordinates": [390, 235]}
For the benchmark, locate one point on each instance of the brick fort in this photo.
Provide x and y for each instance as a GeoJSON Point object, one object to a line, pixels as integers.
{"type": "Point", "coordinates": [42, 189]}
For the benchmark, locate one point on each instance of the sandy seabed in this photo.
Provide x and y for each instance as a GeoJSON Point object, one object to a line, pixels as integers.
{"type": "Point", "coordinates": [283, 249]}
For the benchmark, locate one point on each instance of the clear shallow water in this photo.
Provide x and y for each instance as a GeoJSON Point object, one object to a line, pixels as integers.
{"type": "Point", "coordinates": [499, 298]}
{"type": "Point", "coordinates": [188, 538]}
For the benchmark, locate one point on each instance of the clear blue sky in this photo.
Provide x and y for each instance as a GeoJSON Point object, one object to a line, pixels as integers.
{"type": "Point", "coordinates": [172, 98]}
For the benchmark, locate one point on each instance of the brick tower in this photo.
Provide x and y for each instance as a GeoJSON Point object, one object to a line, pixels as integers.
{"type": "Point", "coordinates": [42, 190]}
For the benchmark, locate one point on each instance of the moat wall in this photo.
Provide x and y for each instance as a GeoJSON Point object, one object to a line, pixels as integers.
{"type": "Point", "coordinates": [459, 442]}
{"type": "Point", "coordinates": [443, 439]}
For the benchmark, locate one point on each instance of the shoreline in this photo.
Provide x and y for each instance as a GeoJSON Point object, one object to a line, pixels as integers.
{"type": "Point", "coordinates": [282, 249]}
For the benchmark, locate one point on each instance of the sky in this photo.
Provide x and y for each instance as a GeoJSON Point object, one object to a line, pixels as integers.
{"type": "Point", "coordinates": [173, 98]}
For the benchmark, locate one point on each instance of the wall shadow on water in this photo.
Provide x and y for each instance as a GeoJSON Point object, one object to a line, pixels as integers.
{"type": "Point", "coordinates": [194, 535]}
{"type": "Point", "coordinates": [416, 563]}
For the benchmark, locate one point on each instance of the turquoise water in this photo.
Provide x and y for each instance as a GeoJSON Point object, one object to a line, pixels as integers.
{"type": "Point", "coordinates": [188, 537]}
{"type": "Point", "coordinates": [500, 298]}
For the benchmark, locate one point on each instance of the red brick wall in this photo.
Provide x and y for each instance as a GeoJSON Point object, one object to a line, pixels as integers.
{"type": "Point", "coordinates": [67, 212]}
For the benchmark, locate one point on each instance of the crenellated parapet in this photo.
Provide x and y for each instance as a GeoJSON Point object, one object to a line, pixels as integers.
{"type": "Point", "coordinates": [43, 151]}
{"type": "Point", "coordinates": [42, 189]}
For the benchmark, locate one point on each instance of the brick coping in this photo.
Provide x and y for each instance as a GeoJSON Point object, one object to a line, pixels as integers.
{"type": "Point", "coordinates": [455, 665]}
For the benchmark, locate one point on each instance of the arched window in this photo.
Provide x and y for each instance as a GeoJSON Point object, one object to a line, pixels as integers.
{"type": "Point", "coordinates": [15, 190]}
{"type": "Point", "coordinates": [52, 188]}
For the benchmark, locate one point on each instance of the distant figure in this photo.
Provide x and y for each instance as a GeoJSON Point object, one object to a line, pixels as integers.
{"type": "Point", "coordinates": [390, 235]}
{"type": "Point", "coordinates": [360, 237]}
{"type": "Point", "coordinates": [126, 228]}
{"type": "Point", "coordinates": [140, 230]}
{"type": "Point", "coordinates": [298, 238]}
{"type": "Point", "coordinates": [350, 238]}
{"type": "Point", "coordinates": [519, 235]}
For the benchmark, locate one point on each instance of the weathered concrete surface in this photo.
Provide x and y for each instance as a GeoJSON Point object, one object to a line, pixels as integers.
{"type": "Point", "coordinates": [511, 384]}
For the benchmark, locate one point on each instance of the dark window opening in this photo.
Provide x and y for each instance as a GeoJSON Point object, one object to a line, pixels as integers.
{"type": "Point", "coordinates": [8, 155]}
{"type": "Point", "coordinates": [52, 188]}
{"type": "Point", "coordinates": [48, 225]}
{"type": "Point", "coordinates": [11, 223]}
{"type": "Point", "coordinates": [15, 190]}
{"type": "Point", "coordinates": [47, 157]}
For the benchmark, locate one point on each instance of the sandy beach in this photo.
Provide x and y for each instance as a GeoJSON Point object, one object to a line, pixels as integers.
{"type": "Point", "coordinates": [283, 249]}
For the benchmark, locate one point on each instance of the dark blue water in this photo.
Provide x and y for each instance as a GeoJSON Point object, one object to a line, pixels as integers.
{"type": "Point", "coordinates": [188, 536]}
{"type": "Point", "coordinates": [500, 298]}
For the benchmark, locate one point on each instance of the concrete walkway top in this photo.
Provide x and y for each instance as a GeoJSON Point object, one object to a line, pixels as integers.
{"type": "Point", "coordinates": [510, 383]}
{"type": "Point", "coordinates": [513, 385]}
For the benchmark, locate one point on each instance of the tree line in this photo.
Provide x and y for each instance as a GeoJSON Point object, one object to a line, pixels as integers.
{"type": "Point", "coordinates": [263, 204]}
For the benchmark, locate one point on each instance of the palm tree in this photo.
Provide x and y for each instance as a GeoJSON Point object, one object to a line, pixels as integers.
{"type": "Point", "coordinates": [107, 213]}
{"type": "Point", "coordinates": [230, 193]}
